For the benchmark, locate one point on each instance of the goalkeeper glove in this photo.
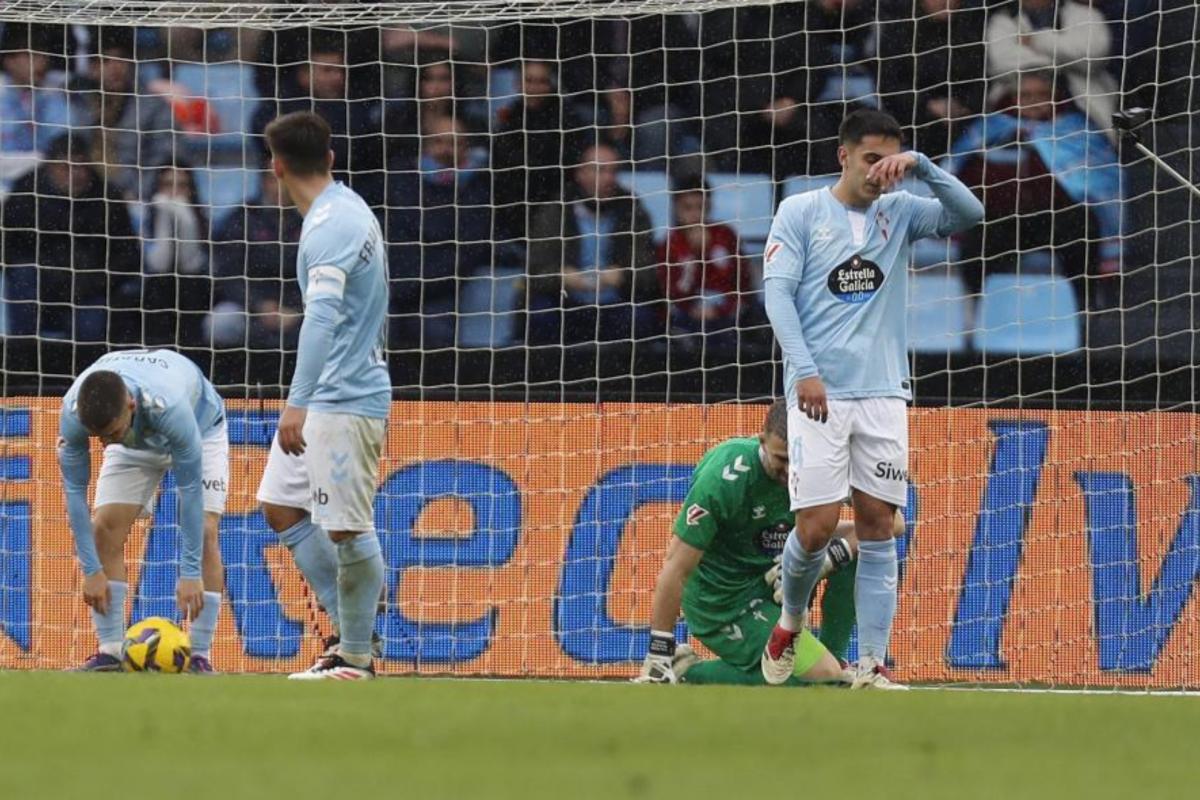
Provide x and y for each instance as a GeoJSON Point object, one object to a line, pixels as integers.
{"type": "Point", "coordinates": [657, 666]}
{"type": "Point", "coordinates": [836, 559]}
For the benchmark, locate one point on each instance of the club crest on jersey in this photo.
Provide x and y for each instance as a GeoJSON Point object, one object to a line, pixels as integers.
{"type": "Point", "coordinates": [695, 513]}
{"type": "Point", "coordinates": [855, 280]}
{"type": "Point", "coordinates": [772, 539]}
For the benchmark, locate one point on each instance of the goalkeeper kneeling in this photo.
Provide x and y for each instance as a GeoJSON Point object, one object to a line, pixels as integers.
{"type": "Point", "coordinates": [722, 569]}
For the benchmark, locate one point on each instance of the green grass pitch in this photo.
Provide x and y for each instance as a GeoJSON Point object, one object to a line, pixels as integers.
{"type": "Point", "coordinates": [86, 736]}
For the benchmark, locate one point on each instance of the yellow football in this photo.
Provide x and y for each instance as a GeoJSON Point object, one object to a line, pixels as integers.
{"type": "Point", "coordinates": [156, 645]}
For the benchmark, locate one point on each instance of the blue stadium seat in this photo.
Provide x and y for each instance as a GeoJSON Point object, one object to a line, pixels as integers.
{"type": "Point", "coordinates": [487, 304]}
{"type": "Point", "coordinates": [744, 202]}
{"type": "Point", "coordinates": [1027, 314]}
{"type": "Point", "coordinates": [937, 311]}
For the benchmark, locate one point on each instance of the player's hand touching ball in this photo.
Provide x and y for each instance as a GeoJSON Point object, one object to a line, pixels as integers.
{"type": "Point", "coordinates": [890, 170]}
{"type": "Point", "coordinates": [810, 393]}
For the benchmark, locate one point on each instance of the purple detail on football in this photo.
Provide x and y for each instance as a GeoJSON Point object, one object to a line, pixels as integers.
{"type": "Point", "coordinates": [147, 635]}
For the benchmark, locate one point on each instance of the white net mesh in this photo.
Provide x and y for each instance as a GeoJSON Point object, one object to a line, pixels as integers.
{"type": "Point", "coordinates": [576, 197]}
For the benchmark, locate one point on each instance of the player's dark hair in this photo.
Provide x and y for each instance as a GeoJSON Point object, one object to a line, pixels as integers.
{"type": "Point", "coordinates": [776, 423]}
{"type": "Point", "coordinates": [301, 140]}
{"type": "Point", "coordinates": [102, 398]}
{"type": "Point", "coordinates": [868, 122]}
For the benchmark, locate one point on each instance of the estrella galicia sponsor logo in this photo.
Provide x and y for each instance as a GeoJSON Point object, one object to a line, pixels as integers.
{"type": "Point", "coordinates": [855, 280]}
{"type": "Point", "coordinates": [772, 539]}
{"type": "Point", "coordinates": [890, 472]}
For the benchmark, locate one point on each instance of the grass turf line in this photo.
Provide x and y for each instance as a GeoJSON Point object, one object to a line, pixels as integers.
{"type": "Point", "coordinates": [227, 737]}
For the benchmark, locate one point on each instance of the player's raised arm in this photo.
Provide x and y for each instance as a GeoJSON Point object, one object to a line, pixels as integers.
{"type": "Point", "coordinates": [955, 209]}
{"type": "Point", "coordinates": [178, 424]}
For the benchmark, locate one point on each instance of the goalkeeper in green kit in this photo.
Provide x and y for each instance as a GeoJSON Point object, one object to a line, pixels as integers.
{"type": "Point", "coordinates": [722, 569]}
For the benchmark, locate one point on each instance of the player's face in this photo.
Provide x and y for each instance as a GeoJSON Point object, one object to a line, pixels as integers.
{"type": "Point", "coordinates": [775, 457]}
{"type": "Point", "coordinates": [116, 431]}
{"type": "Point", "coordinates": [856, 159]}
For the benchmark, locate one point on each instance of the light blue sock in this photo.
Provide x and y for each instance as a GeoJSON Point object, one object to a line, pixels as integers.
{"type": "Point", "coordinates": [875, 597]}
{"type": "Point", "coordinates": [110, 627]}
{"type": "Point", "coordinates": [360, 577]}
{"type": "Point", "coordinates": [801, 571]}
{"type": "Point", "coordinates": [316, 556]}
{"type": "Point", "coordinates": [204, 627]}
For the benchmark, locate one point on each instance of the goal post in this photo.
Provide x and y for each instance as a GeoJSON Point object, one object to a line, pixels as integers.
{"type": "Point", "coordinates": [576, 197]}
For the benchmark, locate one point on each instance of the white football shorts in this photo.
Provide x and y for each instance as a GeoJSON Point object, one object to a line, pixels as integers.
{"type": "Point", "coordinates": [132, 476]}
{"type": "Point", "coordinates": [336, 479]}
{"type": "Point", "coordinates": [863, 445]}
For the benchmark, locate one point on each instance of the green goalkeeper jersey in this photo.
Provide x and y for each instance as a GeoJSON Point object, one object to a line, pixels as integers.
{"type": "Point", "coordinates": [740, 518]}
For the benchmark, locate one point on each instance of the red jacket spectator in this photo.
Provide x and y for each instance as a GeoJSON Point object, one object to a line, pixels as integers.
{"type": "Point", "coordinates": [701, 271]}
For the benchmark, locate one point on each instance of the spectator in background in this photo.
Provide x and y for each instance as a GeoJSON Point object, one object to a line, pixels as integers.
{"type": "Point", "coordinates": [755, 91]}
{"type": "Point", "coordinates": [319, 85]}
{"type": "Point", "coordinates": [176, 288]}
{"type": "Point", "coordinates": [258, 303]}
{"type": "Point", "coordinates": [1068, 36]}
{"type": "Point", "coordinates": [932, 67]}
{"type": "Point", "coordinates": [131, 132]}
{"type": "Point", "coordinates": [611, 115]}
{"type": "Point", "coordinates": [591, 259]}
{"type": "Point", "coordinates": [70, 257]}
{"type": "Point", "coordinates": [34, 106]}
{"type": "Point", "coordinates": [439, 224]}
{"type": "Point", "coordinates": [437, 95]}
{"type": "Point", "coordinates": [702, 275]}
{"type": "Point", "coordinates": [533, 139]}
{"type": "Point", "coordinates": [1047, 178]}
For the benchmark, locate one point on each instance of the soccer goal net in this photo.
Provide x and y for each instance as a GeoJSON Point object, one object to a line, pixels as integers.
{"type": "Point", "coordinates": [576, 197]}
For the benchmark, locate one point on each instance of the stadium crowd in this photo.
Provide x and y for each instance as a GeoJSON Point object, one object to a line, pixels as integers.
{"type": "Point", "coordinates": [504, 163]}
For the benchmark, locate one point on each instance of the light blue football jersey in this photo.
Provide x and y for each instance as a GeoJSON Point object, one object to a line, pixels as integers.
{"type": "Point", "coordinates": [341, 232]}
{"type": "Point", "coordinates": [851, 298]}
{"type": "Point", "coordinates": [175, 408]}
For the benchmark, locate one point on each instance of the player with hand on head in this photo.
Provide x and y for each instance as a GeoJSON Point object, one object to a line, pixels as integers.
{"type": "Point", "coordinates": [727, 539]}
{"type": "Point", "coordinates": [835, 285]}
{"type": "Point", "coordinates": [153, 410]}
{"type": "Point", "coordinates": [318, 489]}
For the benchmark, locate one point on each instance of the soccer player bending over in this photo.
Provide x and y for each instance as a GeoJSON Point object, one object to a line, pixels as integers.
{"type": "Point", "coordinates": [153, 410]}
{"type": "Point", "coordinates": [318, 489]}
{"type": "Point", "coordinates": [836, 276]}
{"type": "Point", "coordinates": [727, 539]}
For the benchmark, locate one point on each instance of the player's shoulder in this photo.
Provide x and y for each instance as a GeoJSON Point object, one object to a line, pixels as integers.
{"type": "Point", "coordinates": [334, 218]}
{"type": "Point", "coordinates": [728, 463]}
{"type": "Point", "coordinates": [802, 202]}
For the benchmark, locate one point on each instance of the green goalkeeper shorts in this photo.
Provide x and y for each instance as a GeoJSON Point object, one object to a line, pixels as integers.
{"type": "Point", "coordinates": [740, 642]}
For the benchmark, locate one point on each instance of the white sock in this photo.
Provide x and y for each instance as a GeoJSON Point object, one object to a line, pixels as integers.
{"type": "Point", "coordinates": [791, 622]}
